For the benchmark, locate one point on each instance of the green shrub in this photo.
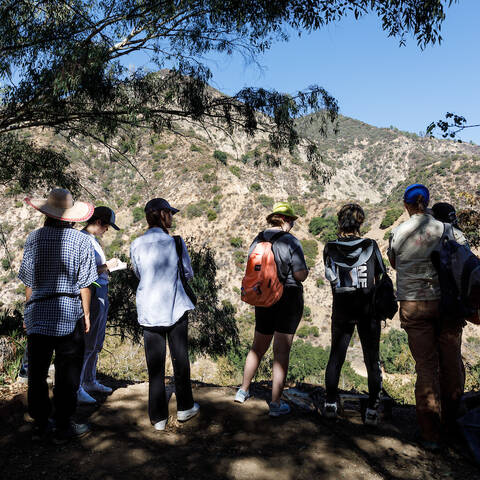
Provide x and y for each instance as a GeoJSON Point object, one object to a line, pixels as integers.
{"type": "Point", "coordinates": [197, 209]}
{"type": "Point", "coordinates": [158, 175]}
{"type": "Point", "coordinates": [320, 282]}
{"type": "Point", "coordinates": [306, 330]}
{"type": "Point", "coordinates": [255, 187]}
{"type": "Point", "coordinates": [195, 148]}
{"type": "Point", "coordinates": [235, 170]}
{"type": "Point", "coordinates": [215, 189]}
{"type": "Point", "coordinates": [387, 234]}
{"type": "Point", "coordinates": [133, 200]}
{"type": "Point", "coordinates": [220, 156]}
{"type": "Point", "coordinates": [211, 215]}
{"type": "Point", "coordinates": [209, 177]}
{"type": "Point", "coordinates": [6, 263]}
{"type": "Point", "coordinates": [391, 216]}
{"type": "Point", "coordinates": [395, 353]}
{"type": "Point", "coordinates": [306, 361]}
{"type": "Point", "coordinates": [307, 311]}
{"type": "Point", "coordinates": [239, 257]}
{"type": "Point", "coordinates": [325, 227]}
{"type": "Point", "coordinates": [236, 242]}
{"type": "Point", "coordinates": [299, 209]}
{"type": "Point", "coordinates": [138, 214]}
{"type": "Point", "coordinates": [310, 249]}
{"type": "Point", "coordinates": [266, 201]}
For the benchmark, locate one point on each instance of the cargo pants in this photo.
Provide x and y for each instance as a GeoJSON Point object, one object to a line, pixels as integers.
{"type": "Point", "coordinates": [436, 349]}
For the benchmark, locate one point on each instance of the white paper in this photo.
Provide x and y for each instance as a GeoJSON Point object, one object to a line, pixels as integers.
{"type": "Point", "coordinates": [115, 264]}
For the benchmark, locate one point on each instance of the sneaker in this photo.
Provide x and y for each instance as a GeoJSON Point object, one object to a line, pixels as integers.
{"type": "Point", "coordinates": [70, 432]}
{"type": "Point", "coordinates": [330, 410]}
{"type": "Point", "coordinates": [242, 396]}
{"type": "Point", "coordinates": [371, 416]}
{"type": "Point", "coordinates": [160, 425]}
{"type": "Point", "coordinates": [84, 398]}
{"type": "Point", "coordinates": [184, 415]}
{"type": "Point", "coordinates": [277, 409]}
{"type": "Point", "coordinates": [96, 387]}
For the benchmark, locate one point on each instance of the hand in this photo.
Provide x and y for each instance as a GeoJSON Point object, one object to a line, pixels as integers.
{"type": "Point", "coordinates": [87, 323]}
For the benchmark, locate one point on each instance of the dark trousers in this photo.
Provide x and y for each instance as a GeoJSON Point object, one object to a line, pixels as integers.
{"type": "Point", "coordinates": [68, 365]}
{"type": "Point", "coordinates": [369, 333]}
{"type": "Point", "coordinates": [155, 353]}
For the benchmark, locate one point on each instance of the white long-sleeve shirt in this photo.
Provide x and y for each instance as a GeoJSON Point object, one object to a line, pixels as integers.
{"type": "Point", "coordinates": [161, 298]}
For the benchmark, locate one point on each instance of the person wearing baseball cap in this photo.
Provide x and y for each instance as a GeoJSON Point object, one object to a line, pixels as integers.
{"type": "Point", "coordinates": [163, 299]}
{"type": "Point", "coordinates": [279, 321]}
{"type": "Point", "coordinates": [102, 218]}
{"type": "Point", "coordinates": [435, 341]}
{"type": "Point", "coordinates": [57, 268]}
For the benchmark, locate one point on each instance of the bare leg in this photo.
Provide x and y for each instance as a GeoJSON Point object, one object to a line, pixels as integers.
{"type": "Point", "coordinates": [260, 345]}
{"type": "Point", "coordinates": [282, 343]}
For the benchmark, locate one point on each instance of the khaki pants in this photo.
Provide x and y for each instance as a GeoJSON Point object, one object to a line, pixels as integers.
{"type": "Point", "coordinates": [436, 350]}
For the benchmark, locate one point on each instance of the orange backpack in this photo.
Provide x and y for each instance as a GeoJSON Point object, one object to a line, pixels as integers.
{"type": "Point", "coordinates": [260, 285]}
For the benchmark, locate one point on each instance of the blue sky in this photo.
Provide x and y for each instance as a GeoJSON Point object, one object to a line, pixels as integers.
{"type": "Point", "coordinates": [374, 79]}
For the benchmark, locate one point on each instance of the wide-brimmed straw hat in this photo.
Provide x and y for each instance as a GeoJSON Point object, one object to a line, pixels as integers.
{"type": "Point", "coordinates": [283, 208]}
{"type": "Point", "coordinates": [60, 205]}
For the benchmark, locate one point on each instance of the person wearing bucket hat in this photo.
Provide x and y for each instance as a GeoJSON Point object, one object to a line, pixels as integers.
{"type": "Point", "coordinates": [279, 321]}
{"type": "Point", "coordinates": [435, 342]}
{"type": "Point", "coordinates": [102, 218]}
{"type": "Point", "coordinates": [163, 299]}
{"type": "Point", "coordinates": [57, 268]}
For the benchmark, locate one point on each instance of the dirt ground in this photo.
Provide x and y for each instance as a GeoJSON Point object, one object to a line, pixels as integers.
{"type": "Point", "coordinates": [225, 441]}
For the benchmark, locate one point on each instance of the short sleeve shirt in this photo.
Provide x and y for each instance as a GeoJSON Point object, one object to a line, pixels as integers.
{"type": "Point", "coordinates": [288, 254]}
{"type": "Point", "coordinates": [56, 264]}
{"type": "Point", "coordinates": [411, 244]}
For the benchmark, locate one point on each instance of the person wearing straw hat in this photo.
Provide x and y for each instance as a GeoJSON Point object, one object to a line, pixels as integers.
{"type": "Point", "coordinates": [279, 321]}
{"type": "Point", "coordinates": [102, 218]}
{"type": "Point", "coordinates": [57, 268]}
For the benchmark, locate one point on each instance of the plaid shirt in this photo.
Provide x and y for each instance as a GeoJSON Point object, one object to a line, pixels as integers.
{"type": "Point", "coordinates": [57, 263]}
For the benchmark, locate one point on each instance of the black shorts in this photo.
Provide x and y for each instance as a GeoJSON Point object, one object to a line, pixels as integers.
{"type": "Point", "coordinates": [283, 316]}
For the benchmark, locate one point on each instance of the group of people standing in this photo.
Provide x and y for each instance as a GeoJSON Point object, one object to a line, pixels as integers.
{"type": "Point", "coordinates": [66, 277]}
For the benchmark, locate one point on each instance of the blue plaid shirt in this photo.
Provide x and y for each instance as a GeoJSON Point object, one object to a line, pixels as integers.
{"type": "Point", "coordinates": [57, 263]}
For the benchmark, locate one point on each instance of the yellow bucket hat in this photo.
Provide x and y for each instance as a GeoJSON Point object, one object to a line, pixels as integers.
{"type": "Point", "coordinates": [283, 208]}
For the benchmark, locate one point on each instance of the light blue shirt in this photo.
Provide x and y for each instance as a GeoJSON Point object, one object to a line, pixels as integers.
{"type": "Point", "coordinates": [100, 258]}
{"type": "Point", "coordinates": [161, 298]}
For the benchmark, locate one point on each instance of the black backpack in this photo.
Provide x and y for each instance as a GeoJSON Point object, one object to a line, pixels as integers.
{"type": "Point", "coordinates": [384, 301]}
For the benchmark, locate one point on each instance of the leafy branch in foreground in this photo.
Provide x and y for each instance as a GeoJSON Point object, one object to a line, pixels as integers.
{"type": "Point", "coordinates": [451, 126]}
{"type": "Point", "coordinates": [63, 66]}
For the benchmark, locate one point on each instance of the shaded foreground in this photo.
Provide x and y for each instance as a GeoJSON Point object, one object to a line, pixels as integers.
{"type": "Point", "coordinates": [227, 441]}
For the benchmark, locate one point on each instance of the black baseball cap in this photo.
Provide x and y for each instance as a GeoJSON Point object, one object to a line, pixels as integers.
{"type": "Point", "coordinates": [159, 204]}
{"type": "Point", "coordinates": [444, 212]}
{"type": "Point", "coordinates": [106, 215]}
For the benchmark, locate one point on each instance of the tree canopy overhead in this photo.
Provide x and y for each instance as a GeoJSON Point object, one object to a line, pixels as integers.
{"type": "Point", "coordinates": [63, 66]}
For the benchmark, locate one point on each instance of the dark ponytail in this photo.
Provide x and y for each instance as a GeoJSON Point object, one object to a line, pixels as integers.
{"type": "Point", "coordinates": [154, 219]}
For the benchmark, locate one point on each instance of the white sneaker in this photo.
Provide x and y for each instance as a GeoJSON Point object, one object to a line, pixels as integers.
{"type": "Point", "coordinates": [84, 398]}
{"type": "Point", "coordinates": [242, 396]}
{"type": "Point", "coordinates": [371, 417]}
{"type": "Point", "coordinates": [330, 410]}
{"type": "Point", "coordinates": [96, 387]}
{"type": "Point", "coordinates": [184, 415]}
{"type": "Point", "coordinates": [160, 425]}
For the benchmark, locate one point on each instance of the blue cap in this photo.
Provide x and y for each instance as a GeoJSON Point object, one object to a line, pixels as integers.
{"type": "Point", "coordinates": [412, 192]}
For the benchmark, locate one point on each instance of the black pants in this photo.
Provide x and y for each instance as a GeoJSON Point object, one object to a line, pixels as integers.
{"type": "Point", "coordinates": [68, 365]}
{"type": "Point", "coordinates": [155, 352]}
{"type": "Point", "coordinates": [369, 333]}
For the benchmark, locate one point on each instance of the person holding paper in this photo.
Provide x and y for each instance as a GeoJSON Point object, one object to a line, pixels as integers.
{"type": "Point", "coordinates": [97, 225]}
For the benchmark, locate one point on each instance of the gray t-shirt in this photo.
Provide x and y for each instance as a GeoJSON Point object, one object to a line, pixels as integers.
{"type": "Point", "coordinates": [288, 254]}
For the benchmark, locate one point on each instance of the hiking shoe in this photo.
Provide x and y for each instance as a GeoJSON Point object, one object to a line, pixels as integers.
{"type": "Point", "coordinates": [242, 396]}
{"type": "Point", "coordinates": [96, 387]}
{"type": "Point", "coordinates": [371, 417]}
{"type": "Point", "coordinates": [70, 432]}
{"type": "Point", "coordinates": [330, 410]}
{"type": "Point", "coordinates": [160, 425]}
{"type": "Point", "coordinates": [84, 398]}
{"type": "Point", "coordinates": [184, 415]}
{"type": "Point", "coordinates": [277, 409]}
